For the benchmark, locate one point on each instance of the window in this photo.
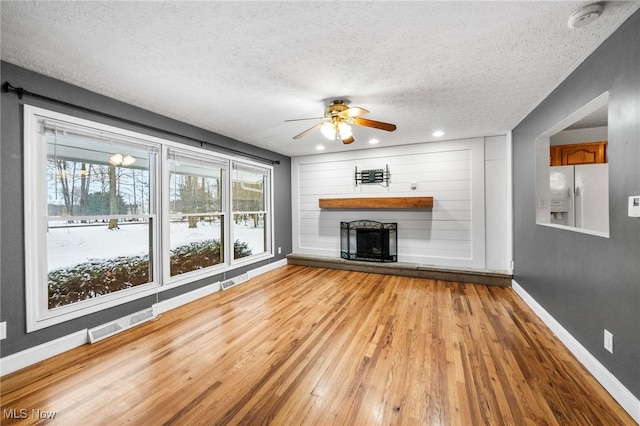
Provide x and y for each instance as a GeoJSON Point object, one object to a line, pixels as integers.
{"type": "Point", "coordinates": [100, 224]}
{"type": "Point", "coordinates": [251, 228]}
{"type": "Point", "coordinates": [90, 215]}
{"type": "Point", "coordinates": [196, 217]}
{"type": "Point", "coordinates": [113, 215]}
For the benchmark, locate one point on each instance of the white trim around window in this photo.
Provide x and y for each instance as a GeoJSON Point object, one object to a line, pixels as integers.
{"type": "Point", "coordinates": [149, 211]}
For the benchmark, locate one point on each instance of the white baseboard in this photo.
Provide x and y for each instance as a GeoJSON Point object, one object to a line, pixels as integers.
{"type": "Point", "coordinates": [30, 356]}
{"type": "Point", "coordinates": [183, 299]}
{"type": "Point", "coordinates": [267, 268]}
{"type": "Point", "coordinates": [27, 357]}
{"type": "Point", "coordinates": [618, 391]}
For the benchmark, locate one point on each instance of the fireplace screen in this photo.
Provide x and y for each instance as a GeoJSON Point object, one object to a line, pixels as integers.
{"type": "Point", "coordinates": [369, 240]}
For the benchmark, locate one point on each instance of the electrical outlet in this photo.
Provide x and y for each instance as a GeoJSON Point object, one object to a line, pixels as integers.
{"type": "Point", "coordinates": [3, 330]}
{"type": "Point", "coordinates": [608, 340]}
{"type": "Point", "coordinates": [279, 250]}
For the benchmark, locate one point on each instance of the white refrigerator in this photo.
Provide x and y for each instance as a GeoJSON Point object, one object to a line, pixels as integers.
{"type": "Point", "coordinates": [579, 196]}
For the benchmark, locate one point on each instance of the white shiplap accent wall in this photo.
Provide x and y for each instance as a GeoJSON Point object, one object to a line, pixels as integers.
{"type": "Point", "coordinates": [450, 234]}
{"type": "Point", "coordinates": [497, 205]}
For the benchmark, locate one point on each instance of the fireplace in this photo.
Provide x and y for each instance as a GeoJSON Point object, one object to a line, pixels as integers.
{"type": "Point", "coordinates": [369, 241]}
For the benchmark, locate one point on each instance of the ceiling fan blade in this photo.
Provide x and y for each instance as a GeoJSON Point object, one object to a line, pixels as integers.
{"type": "Point", "coordinates": [298, 136]}
{"type": "Point", "coordinates": [375, 124]}
{"type": "Point", "coordinates": [348, 140]}
{"type": "Point", "coordinates": [302, 119]}
{"type": "Point", "coordinates": [352, 112]}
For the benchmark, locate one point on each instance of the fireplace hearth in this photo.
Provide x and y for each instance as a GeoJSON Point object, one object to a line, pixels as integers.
{"type": "Point", "coordinates": [369, 241]}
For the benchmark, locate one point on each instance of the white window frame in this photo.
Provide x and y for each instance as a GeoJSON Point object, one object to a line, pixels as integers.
{"type": "Point", "coordinates": [35, 216]}
{"type": "Point", "coordinates": [38, 315]}
{"type": "Point", "coordinates": [268, 202]}
{"type": "Point", "coordinates": [190, 276]}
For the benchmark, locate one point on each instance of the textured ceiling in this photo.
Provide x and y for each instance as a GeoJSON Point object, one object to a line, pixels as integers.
{"type": "Point", "coordinates": [241, 68]}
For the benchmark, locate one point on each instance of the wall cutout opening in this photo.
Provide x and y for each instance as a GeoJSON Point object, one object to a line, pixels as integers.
{"type": "Point", "coordinates": [572, 171]}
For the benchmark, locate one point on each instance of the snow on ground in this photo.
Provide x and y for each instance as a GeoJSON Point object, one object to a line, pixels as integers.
{"type": "Point", "coordinates": [70, 246]}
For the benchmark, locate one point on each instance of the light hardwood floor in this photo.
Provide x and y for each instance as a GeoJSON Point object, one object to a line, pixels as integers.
{"type": "Point", "coordinates": [311, 346]}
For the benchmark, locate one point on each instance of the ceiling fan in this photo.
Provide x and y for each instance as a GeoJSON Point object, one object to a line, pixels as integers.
{"type": "Point", "coordinates": [338, 117]}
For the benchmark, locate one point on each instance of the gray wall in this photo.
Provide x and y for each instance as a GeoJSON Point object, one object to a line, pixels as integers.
{"type": "Point", "coordinates": [589, 283]}
{"type": "Point", "coordinates": [12, 286]}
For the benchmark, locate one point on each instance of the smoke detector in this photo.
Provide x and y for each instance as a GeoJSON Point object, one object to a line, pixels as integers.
{"type": "Point", "coordinates": [585, 16]}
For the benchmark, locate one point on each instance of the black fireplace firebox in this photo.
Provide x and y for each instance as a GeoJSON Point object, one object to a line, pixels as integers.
{"type": "Point", "coordinates": [369, 241]}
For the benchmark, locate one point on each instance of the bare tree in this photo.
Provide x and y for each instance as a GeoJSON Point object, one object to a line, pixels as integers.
{"type": "Point", "coordinates": [191, 204]}
{"type": "Point", "coordinates": [113, 198]}
{"type": "Point", "coordinates": [63, 176]}
{"type": "Point", "coordinates": [85, 179]}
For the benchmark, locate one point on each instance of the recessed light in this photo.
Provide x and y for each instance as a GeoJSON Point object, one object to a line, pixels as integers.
{"type": "Point", "coordinates": [373, 141]}
{"type": "Point", "coordinates": [437, 133]}
{"type": "Point", "coordinates": [320, 147]}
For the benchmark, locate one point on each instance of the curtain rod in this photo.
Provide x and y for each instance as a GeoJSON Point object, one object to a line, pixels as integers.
{"type": "Point", "coordinates": [20, 92]}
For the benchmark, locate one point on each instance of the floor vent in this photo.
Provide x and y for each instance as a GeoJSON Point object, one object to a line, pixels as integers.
{"type": "Point", "coordinates": [139, 317]}
{"type": "Point", "coordinates": [234, 281]}
{"type": "Point", "coordinates": [104, 331]}
{"type": "Point", "coordinates": [114, 327]}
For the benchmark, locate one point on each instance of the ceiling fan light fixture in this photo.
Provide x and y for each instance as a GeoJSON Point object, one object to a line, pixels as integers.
{"type": "Point", "coordinates": [336, 131]}
{"type": "Point", "coordinates": [120, 160]}
{"type": "Point", "coordinates": [344, 130]}
{"type": "Point", "coordinates": [328, 130]}
{"type": "Point", "coordinates": [338, 118]}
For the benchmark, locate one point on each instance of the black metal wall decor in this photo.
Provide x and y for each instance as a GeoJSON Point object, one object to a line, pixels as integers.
{"type": "Point", "coordinates": [369, 241]}
{"type": "Point", "coordinates": [378, 176]}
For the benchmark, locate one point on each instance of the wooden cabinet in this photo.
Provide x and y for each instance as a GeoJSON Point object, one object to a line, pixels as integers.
{"type": "Point", "coordinates": [579, 153]}
{"type": "Point", "coordinates": [555, 155]}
